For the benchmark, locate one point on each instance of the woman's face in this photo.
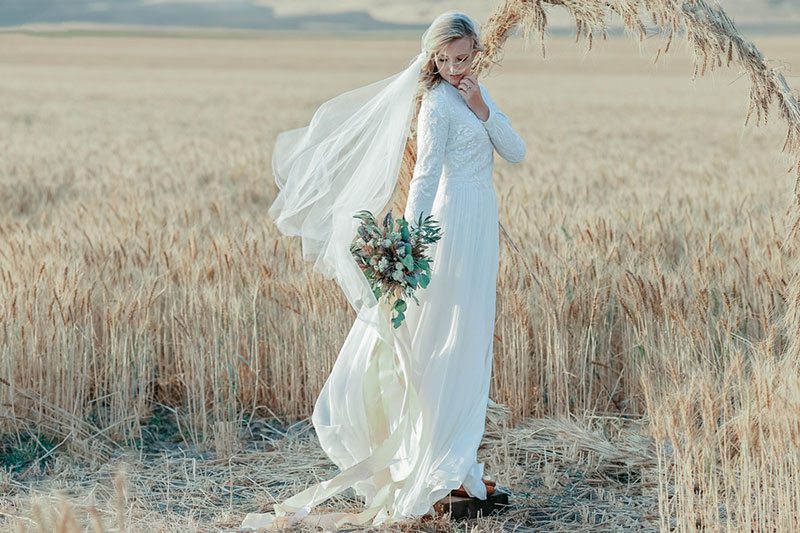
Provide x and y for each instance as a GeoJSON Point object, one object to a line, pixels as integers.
{"type": "Point", "coordinates": [454, 60]}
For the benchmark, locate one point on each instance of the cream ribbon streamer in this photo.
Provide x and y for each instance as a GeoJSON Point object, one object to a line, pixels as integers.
{"type": "Point", "coordinates": [388, 365]}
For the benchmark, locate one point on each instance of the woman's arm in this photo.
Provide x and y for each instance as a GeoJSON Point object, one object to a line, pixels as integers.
{"type": "Point", "coordinates": [506, 140]}
{"type": "Point", "coordinates": [433, 124]}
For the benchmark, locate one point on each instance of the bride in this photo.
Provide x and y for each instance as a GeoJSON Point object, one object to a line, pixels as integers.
{"type": "Point", "coordinates": [403, 412]}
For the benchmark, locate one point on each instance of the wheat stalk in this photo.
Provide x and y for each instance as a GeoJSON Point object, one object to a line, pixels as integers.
{"type": "Point", "coordinates": [710, 34]}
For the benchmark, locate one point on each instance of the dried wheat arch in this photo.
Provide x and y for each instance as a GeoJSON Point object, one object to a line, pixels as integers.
{"type": "Point", "coordinates": [714, 39]}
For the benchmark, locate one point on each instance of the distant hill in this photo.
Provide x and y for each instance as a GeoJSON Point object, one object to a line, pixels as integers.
{"type": "Point", "coordinates": [743, 12]}
{"type": "Point", "coordinates": [228, 14]}
{"type": "Point", "coordinates": [771, 16]}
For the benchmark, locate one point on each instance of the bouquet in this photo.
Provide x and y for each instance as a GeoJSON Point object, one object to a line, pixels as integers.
{"type": "Point", "coordinates": [393, 257]}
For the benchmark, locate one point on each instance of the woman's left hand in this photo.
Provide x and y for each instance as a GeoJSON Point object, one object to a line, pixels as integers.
{"type": "Point", "coordinates": [471, 93]}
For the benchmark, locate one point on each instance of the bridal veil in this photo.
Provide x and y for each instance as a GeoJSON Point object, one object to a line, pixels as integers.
{"type": "Point", "coordinates": [347, 159]}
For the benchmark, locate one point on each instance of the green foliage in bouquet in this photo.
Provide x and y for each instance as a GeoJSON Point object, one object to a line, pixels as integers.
{"type": "Point", "coordinates": [393, 257]}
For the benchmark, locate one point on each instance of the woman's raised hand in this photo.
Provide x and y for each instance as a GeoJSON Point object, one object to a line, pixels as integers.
{"type": "Point", "coordinates": [470, 91]}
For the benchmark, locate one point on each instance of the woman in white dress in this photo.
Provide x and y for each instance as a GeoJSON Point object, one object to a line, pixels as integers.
{"type": "Point", "coordinates": [404, 425]}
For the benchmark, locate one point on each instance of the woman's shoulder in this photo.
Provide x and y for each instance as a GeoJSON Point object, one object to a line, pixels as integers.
{"type": "Point", "coordinates": [435, 98]}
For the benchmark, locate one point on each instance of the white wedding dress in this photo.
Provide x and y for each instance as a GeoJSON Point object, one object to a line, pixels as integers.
{"type": "Point", "coordinates": [403, 452]}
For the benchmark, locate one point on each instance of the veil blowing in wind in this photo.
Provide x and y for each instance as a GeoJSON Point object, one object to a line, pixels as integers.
{"type": "Point", "coordinates": [403, 411]}
{"type": "Point", "coordinates": [347, 159]}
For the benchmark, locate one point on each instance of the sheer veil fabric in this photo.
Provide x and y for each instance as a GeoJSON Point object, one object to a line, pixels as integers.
{"type": "Point", "coordinates": [391, 412]}
{"type": "Point", "coordinates": [347, 159]}
{"type": "Point", "coordinates": [403, 411]}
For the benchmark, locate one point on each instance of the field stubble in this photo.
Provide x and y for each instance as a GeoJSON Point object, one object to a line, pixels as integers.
{"type": "Point", "coordinates": [140, 274]}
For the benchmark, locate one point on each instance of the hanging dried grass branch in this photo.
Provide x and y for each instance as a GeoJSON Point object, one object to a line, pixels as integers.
{"type": "Point", "coordinates": [710, 34]}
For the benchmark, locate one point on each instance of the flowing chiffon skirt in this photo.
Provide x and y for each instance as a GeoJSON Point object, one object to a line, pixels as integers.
{"type": "Point", "coordinates": [403, 419]}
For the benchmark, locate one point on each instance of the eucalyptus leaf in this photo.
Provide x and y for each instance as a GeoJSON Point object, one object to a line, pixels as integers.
{"type": "Point", "coordinates": [424, 280]}
{"type": "Point", "coordinates": [396, 321]}
{"type": "Point", "coordinates": [404, 231]}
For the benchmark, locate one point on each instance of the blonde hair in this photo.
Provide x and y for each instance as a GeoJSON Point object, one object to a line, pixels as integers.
{"type": "Point", "coordinates": [445, 28]}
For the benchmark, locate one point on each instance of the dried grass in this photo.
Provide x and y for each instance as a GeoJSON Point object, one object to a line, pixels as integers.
{"type": "Point", "coordinates": [711, 36]}
{"type": "Point", "coordinates": [555, 482]}
{"type": "Point", "coordinates": [137, 270]}
{"type": "Point", "coordinates": [714, 40]}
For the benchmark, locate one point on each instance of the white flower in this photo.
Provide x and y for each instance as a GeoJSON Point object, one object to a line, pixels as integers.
{"type": "Point", "coordinates": [398, 275]}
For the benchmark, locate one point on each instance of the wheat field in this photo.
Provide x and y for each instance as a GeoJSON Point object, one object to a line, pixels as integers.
{"type": "Point", "coordinates": [643, 286]}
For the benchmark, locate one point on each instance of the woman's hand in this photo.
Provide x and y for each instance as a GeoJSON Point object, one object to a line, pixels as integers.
{"type": "Point", "coordinates": [470, 91]}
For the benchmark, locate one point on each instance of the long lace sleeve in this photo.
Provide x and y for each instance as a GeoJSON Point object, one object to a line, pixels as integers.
{"type": "Point", "coordinates": [433, 123]}
{"type": "Point", "coordinates": [505, 139]}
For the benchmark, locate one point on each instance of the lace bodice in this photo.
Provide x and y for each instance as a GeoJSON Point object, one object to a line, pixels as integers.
{"type": "Point", "coordinates": [455, 147]}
